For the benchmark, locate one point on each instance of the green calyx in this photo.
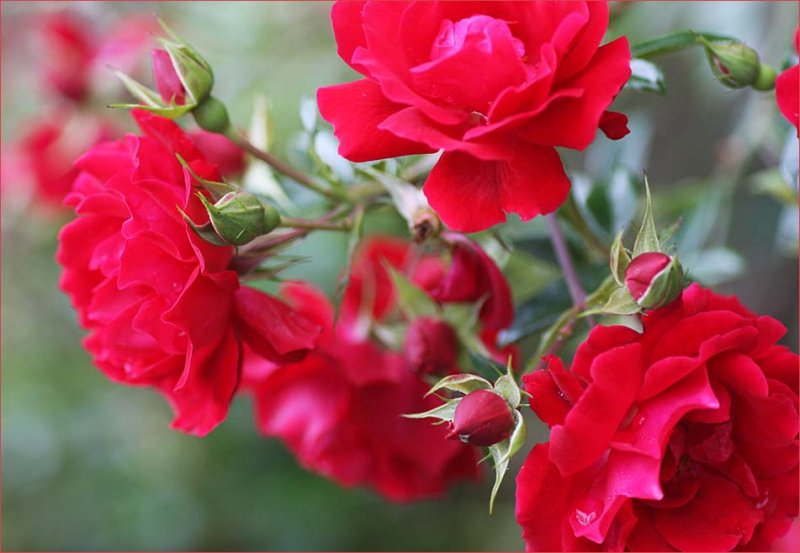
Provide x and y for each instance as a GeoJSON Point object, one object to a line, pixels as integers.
{"type": "Point", "coordinates": [236, 219]}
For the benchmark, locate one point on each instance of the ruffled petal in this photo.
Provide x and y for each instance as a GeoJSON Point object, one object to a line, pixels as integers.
{"type": "Point", "coordinates": [356, 110]}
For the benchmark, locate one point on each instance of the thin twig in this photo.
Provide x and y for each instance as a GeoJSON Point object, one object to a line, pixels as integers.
{"type": "Point", "coordinates": [283, 167]}
{"type": "Point", "coordinates": [314, 224]}
{"type": "Point", "coordinates": [576, 291]}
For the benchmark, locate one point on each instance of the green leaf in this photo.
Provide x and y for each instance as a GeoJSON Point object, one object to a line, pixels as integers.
{"type": "Point", "coordinates": [647, 239]}
{"type": "Point", "coordinates": [673, 42]}
{"type": "Point", "coordinates": [445, 411]}
{"type": "Point", "coordinates": [413, 301]}
{"type": "Point", "coordinates": [501, 454]}
{"type": "Point", "coordinates": [620, 303]}
{"type": "Point", "coordinates": [486, 367]}
{"type": "Point", "coordinates": [619, 259]}
{"type": "Point", "coordinates": [771, 183]}
{"type": "Point", "coordinates": [646, 77]}
{"type": "Point", "coordinates": [464, 383]}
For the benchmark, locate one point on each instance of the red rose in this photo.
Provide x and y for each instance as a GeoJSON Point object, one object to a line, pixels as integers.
{"type": "Point", "coordinates": [471, 276]}
{"type": "Point", "coordinates": [219, 150]}
{"type": "Point", "coordinates": [70, 46]}
{"type": "Point", "coordinates": [76, 56]}
{"type": "Point", "coordinates": [430, 346]}
{"type": "Point", "coordinates": [40, 163]}
{"type": "Point", "coordinates": [495, 85]}
{"type": "Point", "coordinates": [474, 276]}
{"type": "Point", "coordinates": [683, 437]}
{"type": "Point", "coordinates": [161, 305]}
{"type": "Point", "coordinates": [340, 411]}
{"type": "Point", "coordinates": [787, 89]}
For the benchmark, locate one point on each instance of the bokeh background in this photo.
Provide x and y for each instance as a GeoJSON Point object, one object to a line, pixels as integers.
{"type": "Point", "coordinates": [89, 465]}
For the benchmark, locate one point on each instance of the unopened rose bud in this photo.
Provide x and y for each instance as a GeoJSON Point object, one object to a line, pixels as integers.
{"type": "Point", "coordinates": [733, 63]}
{"type": "Point", "coordinates": [239, 217]}
{"type": "Point", "coordinates": [482, 418]}
{"type": "Point", "coordinates": [168, 83]}
{"type": "Point", "coordinates": [430, 346]}
{"type": "Point", "coordinates": [191, 69]}
{"type": "Point", "coordinates": [654, 279]}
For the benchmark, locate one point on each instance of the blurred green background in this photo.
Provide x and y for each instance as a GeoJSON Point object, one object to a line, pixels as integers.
{"type": "Point", "coordinates": [89, 465]}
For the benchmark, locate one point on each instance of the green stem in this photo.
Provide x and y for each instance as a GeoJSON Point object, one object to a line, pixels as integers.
{"type": "Point", "coordinates": [673, 42]}
{"type": "Point", "coordinates": [283, 167]}
{"type": "Point", "coordinates": [312, 224]}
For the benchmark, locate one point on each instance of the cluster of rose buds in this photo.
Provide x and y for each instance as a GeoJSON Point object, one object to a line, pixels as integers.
{"type": "Point", "coordinates": [675, 431]}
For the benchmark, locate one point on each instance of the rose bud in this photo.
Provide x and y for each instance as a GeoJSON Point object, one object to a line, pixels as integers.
{"type": "Point", "coordinates": [737, 65]}
{"type": "Point", "coordinates": [168, 83]}
{"type": "Point", "coordinates": [482, 418]}
{"type": "Point", "coordinates": [430, 346]}
{"type": "Point", "coordinates": [654, 279]}
{"type": "Point", "coordinates": [236, 219]}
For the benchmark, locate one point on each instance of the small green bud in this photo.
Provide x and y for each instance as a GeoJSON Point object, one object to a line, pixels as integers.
{"type": "Point", "coordinates": [654, 279]}
{"type": "Point", "coordinates": [236, 219]}
{"type": "Point", "coordinates": [212, 115]}
{"type": "Point", "coordinates": [735, 64]}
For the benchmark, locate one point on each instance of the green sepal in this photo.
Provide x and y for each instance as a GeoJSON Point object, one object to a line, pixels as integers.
{"type": "Point", "coordinates": [444, 412]}
{"type": "Point", "coordinates": [647, 238]}
{"type": "Point", "coordinates": [216, 189]}
{"type": "Point", "coordinates": [619, 303]}
{"type": "Point", "coordinates": [205, 231]}
{"type": "Point", "coordinates": [503, 452]}
{"type": "Point", "coordinates": [413, 301]}
{"type": "Point", "coordinates": [463, 383]}
{"type": "Point", "coordinates": [619, 259]}
{"type": "Point", "coordinates": [506, 386]}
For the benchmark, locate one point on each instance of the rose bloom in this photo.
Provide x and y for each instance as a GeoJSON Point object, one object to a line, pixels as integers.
{"type": "Point", "coordinates": [340, 409]}
{"type": "Point", "coordinates": [496, 85]}
{"type": "Point", "coordinates": [470, 276]}
{"type": "Point", "coordinates": [683, 437]}
{"type": "Point", "coordinates": [340, 412]}
{"type": "Point", "coordinates": [76, 55]}
{"type": "Point", "coordinates": [39, 166]}
{"type": "Point", "coordinates": [787, 89]}
{"type": "Point", "coordinates": [161, 305]}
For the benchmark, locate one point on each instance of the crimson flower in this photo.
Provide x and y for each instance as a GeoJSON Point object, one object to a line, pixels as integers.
{"type": "Point", "coordinates": [683, 437]}
{"type": "Point", "coordinates": [787, 89]}
{"type": "Point", "coordinates": [340, 410]}
{"type": "Point", "coordinates": [496, 86]}
{"type": "Point", "coordinates": [162, 307]}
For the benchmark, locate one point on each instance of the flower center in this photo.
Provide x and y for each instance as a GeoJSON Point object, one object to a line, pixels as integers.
{"type": "Point", "coordinates": [481, 30]}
